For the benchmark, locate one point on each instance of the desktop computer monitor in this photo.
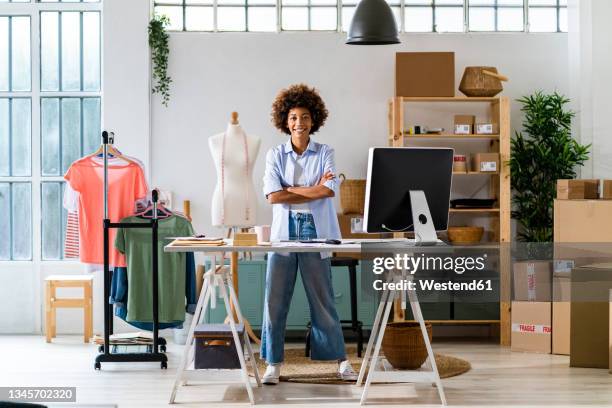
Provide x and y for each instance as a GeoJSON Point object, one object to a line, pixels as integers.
{"type": "Point", "coordinates": [395, 171]}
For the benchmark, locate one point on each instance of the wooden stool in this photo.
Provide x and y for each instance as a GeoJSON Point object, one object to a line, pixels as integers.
{"type": "Point", "coordinates": [51, 302]}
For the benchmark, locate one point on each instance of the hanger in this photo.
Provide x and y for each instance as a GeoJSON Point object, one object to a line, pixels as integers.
{"type": "Point", "coordinates": [162, 212]}
{"type": "Point", "coordinates": [112, 151]}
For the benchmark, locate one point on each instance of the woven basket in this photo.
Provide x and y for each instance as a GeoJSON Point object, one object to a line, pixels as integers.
{"type": "Point", "coordinates": [403, 345]}
{"type": "Point", "coordinates": [465, 235]}
{"type": "Point", "coordinates": [352, 195]}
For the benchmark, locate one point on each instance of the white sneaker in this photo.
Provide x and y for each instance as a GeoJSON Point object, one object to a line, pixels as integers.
{"type": "Point", "coordinates": [272, 375]}
{"type": "Point", "coordinates": [346, 372]}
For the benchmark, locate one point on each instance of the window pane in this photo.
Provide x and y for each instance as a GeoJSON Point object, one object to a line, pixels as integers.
{"type": "Point", "coordinates": [542, 20]}
{"type": "Point", "coordinates": [91, 125]}
{"type": "Point", "coordinates": [175, 14]}
{"type": "Point", "coordinates": [71, 51]}
{"type": "Point", "coordinates": [563, 20]}
{"type": "Point", "coordinates": [449, 19]}
{"type": "Point", "coordinates": [295, 18]}
{"type": "Point", "coordinates": [21, 137]}
{"type": "Point", "coordinates": [49, 51]}
{"type": "Point", "coordinates": [5, 221]}
{"type": "Point", "coordinates": [5, 163]}
{"type": "Point", "coordinates": [231, 19]}
{"type": "Point", "coordinates": [4, 54]}
{"type": "Point", "coordinates": [482, 19]}
{"type": "Point", "coordinates": [418, 19]}
{"type": "Point", "coordinates": [347, 17]}
{"type": "Point", "coordinates": [91, 51]}
{"type": "Point", "coordinates": [71, 131]}
{"type": "Point", "coordinates": [324, 18]}
{"type": "Point", "coordinates": [51, 217]}
{"type": "Point", "coordinates": [262, 18]}
{"type": "Point", "coordinates": [199, 19]}
{"type": "Point", "coordinates": [510, 19]}
{"type": "Point", "coordinates": [50, 137]}
{"type": "Point", "coordinates": [22, 221]}
{"type": "Point", "coordinates": [20, 49]}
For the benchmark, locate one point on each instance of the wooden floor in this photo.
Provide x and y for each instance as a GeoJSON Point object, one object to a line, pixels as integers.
{"type": "Point", "coordinates": [498, 378]}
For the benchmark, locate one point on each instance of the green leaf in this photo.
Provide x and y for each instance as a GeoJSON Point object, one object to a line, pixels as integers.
{"type": "Point", "coordinates": [540, 155]}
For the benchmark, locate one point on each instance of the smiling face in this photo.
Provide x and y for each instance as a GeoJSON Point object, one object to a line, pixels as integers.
{"type": "Point", "coordinates": [299, 122]}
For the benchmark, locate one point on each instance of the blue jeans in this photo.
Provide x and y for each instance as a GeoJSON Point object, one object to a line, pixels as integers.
{"type": "Point", "coordinates": [326, 338]}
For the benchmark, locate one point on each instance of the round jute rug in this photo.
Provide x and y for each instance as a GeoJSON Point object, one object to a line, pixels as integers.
{"type": "Point", "coordinates": [300, 369]}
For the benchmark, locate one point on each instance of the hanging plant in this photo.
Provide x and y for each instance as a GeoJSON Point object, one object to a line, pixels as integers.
{"type": "Point", "coordinates": [158, 41]}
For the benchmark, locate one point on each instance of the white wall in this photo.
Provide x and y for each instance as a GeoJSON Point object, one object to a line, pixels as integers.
{"type": "Point", "coordinates": [590, 44]}
{"type": "Point", "coordinates": [214, 74]}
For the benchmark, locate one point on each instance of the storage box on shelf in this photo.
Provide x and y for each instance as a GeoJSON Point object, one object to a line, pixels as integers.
{"type": "Point", "coordinates": [497, 218]}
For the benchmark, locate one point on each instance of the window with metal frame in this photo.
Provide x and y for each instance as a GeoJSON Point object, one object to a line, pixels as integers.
{"type": "Point", "coordinates": [335, 15]}
{"type": "Point", "coordinates": [50, 114]}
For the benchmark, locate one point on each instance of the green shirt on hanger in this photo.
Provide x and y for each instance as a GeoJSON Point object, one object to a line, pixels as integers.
{"type": "Point", "coordinates": [135, 243]}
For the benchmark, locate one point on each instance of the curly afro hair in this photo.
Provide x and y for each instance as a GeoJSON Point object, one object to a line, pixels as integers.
{"type": "Point", "coordinates": [298, 96]}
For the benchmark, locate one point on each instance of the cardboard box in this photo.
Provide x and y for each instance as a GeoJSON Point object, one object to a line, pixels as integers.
{"type": "Point", "coordinates": [486, 128]}
{"type": "Point", "coordinates": [590, 316]}
{"type": "Point", "coordinates": [583, 221]}
{"type": "Point", "coordinates": [531, 327]}
{"type": "Point", "coordinates": [425, 74]}
{"type": "Point", "coordinates": [607, 190]}
{"type": "Point", "coordinates": [610, 335]}
{"type": "Point", "coordinates": [561, 315]}
{"type": "Point", "coordinates": [577, 189]}
{"type": "Point", "coordinates": [485, 162]}
{"type": "Point", "coordinates": [464, 124]}
{"type": "Point", "coordinates": [532, 281]}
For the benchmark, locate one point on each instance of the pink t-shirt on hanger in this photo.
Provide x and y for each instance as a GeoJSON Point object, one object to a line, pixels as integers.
{"type": "Point", "coordinates": [126, 184]}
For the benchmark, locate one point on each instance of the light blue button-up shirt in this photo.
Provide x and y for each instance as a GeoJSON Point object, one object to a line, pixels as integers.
{"type": "Point", "coordinates": [279, 173]}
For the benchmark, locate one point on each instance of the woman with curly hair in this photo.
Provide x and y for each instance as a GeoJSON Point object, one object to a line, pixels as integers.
{"type": "Point", "coordinates": [300, 183]}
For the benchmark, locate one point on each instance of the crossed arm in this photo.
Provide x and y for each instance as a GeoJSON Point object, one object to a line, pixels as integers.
{"type": "Point", "coordinates": [299, 195]}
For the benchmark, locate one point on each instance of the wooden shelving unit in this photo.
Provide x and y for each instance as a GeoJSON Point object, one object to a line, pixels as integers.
{"type": "Point", "coordinates": [499, 185]}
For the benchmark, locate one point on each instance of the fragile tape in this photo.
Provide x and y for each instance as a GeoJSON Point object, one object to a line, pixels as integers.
{"type": "Point", "coordinates": [531, 328]}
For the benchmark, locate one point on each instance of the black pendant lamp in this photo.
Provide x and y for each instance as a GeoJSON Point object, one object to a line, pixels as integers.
{"type": "Point", "coordinates": [373, 24]}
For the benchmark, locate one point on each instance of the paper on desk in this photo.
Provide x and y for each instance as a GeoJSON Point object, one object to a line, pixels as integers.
{"type": "Point", "coordinates": [299, 244]}
{"type": "Point", "coordinates": [196, 238]}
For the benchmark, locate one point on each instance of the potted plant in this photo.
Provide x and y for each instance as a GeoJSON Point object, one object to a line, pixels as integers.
{"type": "Point", "coordinates": [540, 155]}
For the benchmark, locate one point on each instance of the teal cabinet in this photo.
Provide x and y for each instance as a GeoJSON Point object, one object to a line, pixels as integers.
{"type": "Point", "coordinates": [251, 281]}
{"type": "Point", "coordinates": [251, 278]}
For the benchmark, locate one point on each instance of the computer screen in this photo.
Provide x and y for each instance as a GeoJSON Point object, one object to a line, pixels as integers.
{"type": "Point", "coordinates": [393, 172]}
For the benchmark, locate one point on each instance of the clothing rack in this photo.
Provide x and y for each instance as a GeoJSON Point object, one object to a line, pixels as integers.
{"type": "Point", "coordinates": [106, 356]}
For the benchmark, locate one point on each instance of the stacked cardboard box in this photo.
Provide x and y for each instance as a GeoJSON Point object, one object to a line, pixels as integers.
{"type": "Point", "coordinates": [590, 316]}
{"type": "Point", "coordinates": [531, 307]}
{"type": "Point", "coordinates": [581, 229]}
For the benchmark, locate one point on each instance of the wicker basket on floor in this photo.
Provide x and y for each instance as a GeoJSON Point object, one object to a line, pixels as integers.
{"type": "Point", "coordinates": [403, 345]}
{"type": "Point", "coordinates": [352, 195]}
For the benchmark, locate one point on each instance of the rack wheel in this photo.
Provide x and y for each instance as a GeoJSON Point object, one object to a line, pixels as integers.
{"type": "Point", "coordinates": [97, 365]}
{"type": "Point", "coordinates": [164, 365]}
{"type": "Point", "coordinates": [162, 349]}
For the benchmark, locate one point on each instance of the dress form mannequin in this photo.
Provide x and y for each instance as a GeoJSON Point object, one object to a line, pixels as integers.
{"type": "Point", "coordinates": [234, 202]}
